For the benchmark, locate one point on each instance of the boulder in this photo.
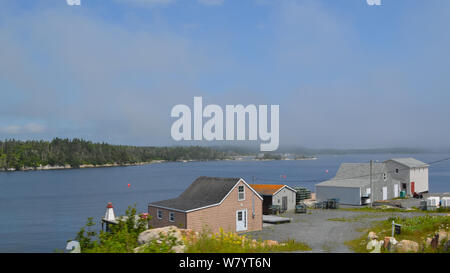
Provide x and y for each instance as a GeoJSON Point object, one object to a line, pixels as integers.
{"type": "Point", "coordinates": [374, 246]}
{"type": "Point", "coordinates": [428, 242]}
{"type": "Point", "coordinates": [270, 243]}
{"type": "Point", "coordinates": [389, 243]}
{"type": "Point", "coordinates": [442, 236]}
{"type": "Point", "coordinates": [155, 234]}
{"type": "Point", "coordinates": [179, 248]}
{"type": "Point", "coordinates": [372, 236]}
{"type": "Point", "coordinates": [447, 246]}
{"type": "Point", "coordinates": [407, 246]}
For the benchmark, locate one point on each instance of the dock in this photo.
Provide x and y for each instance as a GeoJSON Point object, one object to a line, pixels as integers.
{"type": "Point", "coordinates": [272, 219]}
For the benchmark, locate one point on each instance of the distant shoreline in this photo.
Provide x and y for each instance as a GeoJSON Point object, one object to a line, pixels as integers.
{"type": "Point", "coordinates": [84, 166]}
{"type": "Point", "coordinates": [110, 165]}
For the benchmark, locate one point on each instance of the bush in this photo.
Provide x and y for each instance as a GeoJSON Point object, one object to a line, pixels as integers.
{"type": "Point", "coordinates": [229, 242]}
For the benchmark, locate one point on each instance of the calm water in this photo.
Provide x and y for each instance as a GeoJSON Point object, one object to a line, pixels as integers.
{"type": "Point", "coordinates": [41, 210]}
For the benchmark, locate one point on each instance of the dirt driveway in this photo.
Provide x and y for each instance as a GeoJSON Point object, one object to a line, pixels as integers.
{"type": "Point", "coordinates": [325, 230]}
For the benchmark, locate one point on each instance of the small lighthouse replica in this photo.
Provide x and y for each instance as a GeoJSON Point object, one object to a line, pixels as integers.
{"type": "Point", "coordinates": [109, 219]}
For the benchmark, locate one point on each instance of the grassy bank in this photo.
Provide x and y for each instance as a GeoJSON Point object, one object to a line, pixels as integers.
{"type": "Point", "coordinates": [416, 229]}
{"type": "Point", "coordinates": [123, 238]}
{"type": "Point", "coordinates": [233, 243]}
{"type": "Point", "coordinates": [391, 209]}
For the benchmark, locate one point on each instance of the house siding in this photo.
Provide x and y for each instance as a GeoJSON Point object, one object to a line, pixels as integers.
{"type": "Point", "coordinates": [420, 178]}
{"type": "Point", "coordinates": [407, 175]}
{"type": "Point", "coordinates": [291, 198]}
{"type": "Point", "coordinates": [346, 195]}
{"type": "Point", "coordinates": [224, 215]}
{"type": "Point", "coordinates": [154, 222]}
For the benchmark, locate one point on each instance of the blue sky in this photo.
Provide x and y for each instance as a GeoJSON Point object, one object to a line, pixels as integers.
{"type": "Point", "coordinates": [345, 74]}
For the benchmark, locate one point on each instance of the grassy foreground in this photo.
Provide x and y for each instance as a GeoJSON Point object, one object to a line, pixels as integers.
{"type": "Point", "coordinates": [416, 229]}
{"type": "Point", "coordinates": [229, 242]}
{"type": "Point", "coordinates": [123, 238]}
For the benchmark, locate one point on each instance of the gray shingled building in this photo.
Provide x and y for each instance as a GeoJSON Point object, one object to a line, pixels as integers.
{"type": "Point", "coordinates": [351, 185]}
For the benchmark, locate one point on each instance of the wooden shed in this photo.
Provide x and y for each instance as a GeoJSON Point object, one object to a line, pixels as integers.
{"type": "Point", "coordinates": [281, 195]}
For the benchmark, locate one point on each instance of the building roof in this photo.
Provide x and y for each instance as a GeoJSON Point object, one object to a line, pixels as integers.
{"type": "Point", "coordinates": [203, 192]}
{"type": "Point", "coordinates": [410, 162]}
{"type": "Point", "coordinates": [355, 175]}
{"type": "Point", "coordinates": [358, 174]}
{"type": "Point", "coordinates": [266, 189]}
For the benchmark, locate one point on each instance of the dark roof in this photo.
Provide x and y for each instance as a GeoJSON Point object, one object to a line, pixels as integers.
{"type": "Point", "coordinates": [204, 191]}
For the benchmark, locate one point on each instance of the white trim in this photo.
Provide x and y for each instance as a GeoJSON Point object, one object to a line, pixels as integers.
{"type": "Point", "coordinates": [213, 205]}
{"type": "Point", "coordinates": [243, 199]}
{"type": "Point", "coordinates": [426, 165]}
{"type": "Point", "coordinates": [244, 219]}
{"type": "Point", "coordinates": [157, 214]}
{"type": "Point", "coordinates": [284, 186]}
{"type": "Point", "coordinates": [167, 208]}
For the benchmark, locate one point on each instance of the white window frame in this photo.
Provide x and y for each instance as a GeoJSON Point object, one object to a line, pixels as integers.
{"type": "Point", "coordinates": [158, 212]}
{"type": "Point", "coordinates": [171, 216]}
{"type": "Point", "coordinates": [243, 193]}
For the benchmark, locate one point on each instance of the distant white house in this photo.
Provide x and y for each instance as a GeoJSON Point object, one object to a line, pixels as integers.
{"type": "Point", "coordinates": [351, 185]}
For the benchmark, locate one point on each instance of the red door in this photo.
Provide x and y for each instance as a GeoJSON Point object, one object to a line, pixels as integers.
{"type": "Point", "coordinates": [413, 190]}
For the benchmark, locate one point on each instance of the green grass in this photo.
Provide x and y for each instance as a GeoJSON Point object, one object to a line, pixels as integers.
{"type": "Point", "coordinates": [413, 228]}
{"type": "Point", "coordinates": [351, 219]}
{"type": "Point", "coordinates": [381, 209]}
{"type": "Point", "coordinates": [233, 243]}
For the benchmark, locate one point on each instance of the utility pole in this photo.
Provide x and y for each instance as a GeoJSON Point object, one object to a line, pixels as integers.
{"type": "Point", "coordinates": [371, 191]}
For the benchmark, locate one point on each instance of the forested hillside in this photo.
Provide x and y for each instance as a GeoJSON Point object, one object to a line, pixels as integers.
{"type": "Point", "coordinates": [16, 154]}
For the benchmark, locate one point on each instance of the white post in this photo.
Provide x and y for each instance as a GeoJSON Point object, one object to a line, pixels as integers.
{"type": "Point", "coordinates": [371, 190]}
{"type": "Point", "coordinates": [393, 228]}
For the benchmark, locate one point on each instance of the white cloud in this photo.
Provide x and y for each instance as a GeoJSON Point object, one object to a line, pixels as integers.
{"type": "Point", "coordinates": [146, 3]}
{"type": "Point", "coordinates": [30, 128]}
{"type": "Point", "coordinates": [34, 128]}
{"type": "Point", "coordinates": [211, 2]}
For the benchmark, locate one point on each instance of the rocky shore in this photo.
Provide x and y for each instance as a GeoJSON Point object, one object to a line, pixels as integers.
{"type": "Point", "coordinates": [67, 166]}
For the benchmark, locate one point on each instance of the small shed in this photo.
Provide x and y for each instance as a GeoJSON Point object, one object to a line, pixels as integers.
{"type": "Point", "coordinates": [281, 195]}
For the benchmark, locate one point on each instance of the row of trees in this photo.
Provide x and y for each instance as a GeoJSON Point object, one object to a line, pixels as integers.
{"type": "Point", "coordinates": [19, 154]}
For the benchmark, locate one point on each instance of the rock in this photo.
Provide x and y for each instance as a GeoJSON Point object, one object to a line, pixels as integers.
{"type": "Point", "coordinates": [428, 242]}
{"type": "Point", "coordinates": [374, 246]}
{"type": "Point", "coordinates": [435, 241]}
{"type": "Point", "coordinates": [179, 249]}
{"type": "Point", "coordinates": [442, 236]}
{"type": "Point", "coordinates": [407, 246]}
{"type": "Point", "coordinates": [372, 236]}
{"type": "Point", "coordinates": [389, 242]}
{"type": "Point", "coordinates": [270, 243]}
{"type": "Point", "coordinates": [154, 234]}
{"type": "Point", "coordinates": [447, 246]}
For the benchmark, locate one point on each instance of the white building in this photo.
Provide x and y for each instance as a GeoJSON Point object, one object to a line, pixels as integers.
{"type": "Point", "coordinates": [351, 185]}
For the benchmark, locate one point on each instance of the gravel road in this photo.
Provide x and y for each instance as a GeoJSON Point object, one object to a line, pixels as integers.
{"type": "Point", "coordinates": [322, 234]}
